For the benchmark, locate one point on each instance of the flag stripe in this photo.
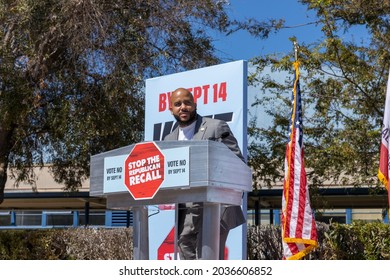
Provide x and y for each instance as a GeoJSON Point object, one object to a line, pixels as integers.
{"type": "Point", "coordinates": [299, 231]}
{"type": "Point", "coordinates": [383, 172]}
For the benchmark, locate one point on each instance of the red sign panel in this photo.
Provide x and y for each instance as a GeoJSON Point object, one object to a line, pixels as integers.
{"type": "Point", "coordinates": [166, 251]}
{"type": "Point", "coordinates": [144, 170]}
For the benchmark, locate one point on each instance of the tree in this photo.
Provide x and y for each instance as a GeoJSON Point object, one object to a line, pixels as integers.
{"type": "Point", "coordinates": [72, 72]}
{"type": "Point", "coordinates": [343, 84]}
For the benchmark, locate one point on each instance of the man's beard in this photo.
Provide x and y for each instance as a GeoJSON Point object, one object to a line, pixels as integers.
{"type": "Point", "coordinates": [190, 120]}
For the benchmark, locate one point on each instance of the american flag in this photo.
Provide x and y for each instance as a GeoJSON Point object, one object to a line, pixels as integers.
{"type": "Point", "coordinates": [299, 231]}
{"type": "Point", "coordinates": [383, 173]}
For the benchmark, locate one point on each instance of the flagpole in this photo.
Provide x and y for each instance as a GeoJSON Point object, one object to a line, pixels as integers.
{"type": "Point", "coordinates": [288, 151]}
{"type": "Point", "coordinates": [292, 128]}
{"type": "Point", "coordinates": [299, 233]}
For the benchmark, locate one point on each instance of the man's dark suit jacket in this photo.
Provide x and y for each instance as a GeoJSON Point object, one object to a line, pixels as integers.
{"type": "Point", "coordinates": [205, 129]}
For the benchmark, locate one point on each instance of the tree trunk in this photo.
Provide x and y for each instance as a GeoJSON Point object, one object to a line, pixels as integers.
{"type": "Point", "coordinates": [5, 148]}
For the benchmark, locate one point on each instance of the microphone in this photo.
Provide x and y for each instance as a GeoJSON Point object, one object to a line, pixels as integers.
{"type": "Point", "coordinates": [223, 135]}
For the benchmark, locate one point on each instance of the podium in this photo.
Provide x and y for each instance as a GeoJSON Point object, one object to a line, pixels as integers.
{"type": "Point", "coordinates": [212, 174]}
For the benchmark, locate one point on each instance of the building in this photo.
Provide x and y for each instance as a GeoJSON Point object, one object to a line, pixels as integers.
{"type": "Point", "coordinates": [341, 204]}
{"type": "Point", "coordinates": [46, 205]}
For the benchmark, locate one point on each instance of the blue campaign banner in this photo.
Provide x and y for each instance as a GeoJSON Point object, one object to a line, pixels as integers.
{"type": "Point", "coordinates": [220, 91]}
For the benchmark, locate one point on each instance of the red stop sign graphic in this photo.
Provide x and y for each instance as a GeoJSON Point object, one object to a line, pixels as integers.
{"type": "Point", "coordinates": [144, 170]}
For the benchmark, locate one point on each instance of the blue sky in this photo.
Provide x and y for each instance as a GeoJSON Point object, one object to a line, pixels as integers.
{"type": "Point", "coordinates": [242, 46]}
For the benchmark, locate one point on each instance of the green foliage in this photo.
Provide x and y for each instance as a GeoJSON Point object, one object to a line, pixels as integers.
{"type": "Point", "coordinates": [264, 243]}
{"type": "Point", "coordinates": [66, 244]}
{"type": "Point", "coordinates": [95, 244]}
{"type": "Point", "coordinates": [359, 241]}
{"type": "Point", "coordinates": [345, 242]}
{"type": "Point", "coordinates": [356, 241]}
{"type": "Point", "coordinates": [26, 245]}
{"type": "Point", "coordinates": [343, 84]}
{"type": "Point", "coordinates": [72, 75]}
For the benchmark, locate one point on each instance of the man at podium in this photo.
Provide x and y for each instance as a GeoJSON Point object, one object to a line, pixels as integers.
{"type": "Point", "coordinates": [192, 126]}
